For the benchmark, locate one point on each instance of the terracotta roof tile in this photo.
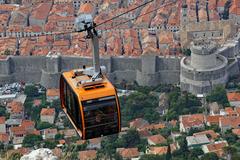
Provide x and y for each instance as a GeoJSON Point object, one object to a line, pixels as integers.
{"type": "Point", "coordinates": [236, 131]}
{"type": "Point", "coordinates": [86, 8]}
{"type": "Point", "coordinates": [128, 152]}
{"type": "Point", "coordinates": [2, 120]}
{"type": "Point", "coordinates": [233, 122]}
{"type": "Point", "coordinates": [41, 11]}
{"type": "Point", "coordinates": [217, 147]}
{"type": "Point", "coordinates": [4, 137]}
{"type": "Point", "coordinates": [213, 134]}
{"type": "Point", "coordinates": [158, 150]}
{"type": "Point", "coordinates": [53, 92]}
{"type": "Point", "coordinates": [88, 155]}
{"type": "Point", "coordinates": [192, 120]}
{"type": "Point", "coordinates": [157, 139]}
{"type": "Point", "coordinates": [233, 96]}
{"type": "Point", "coordinates": [18, 130]}
{"type": "Point", "coordinates": [214, 119]}
{"type": "Point", "coordinates": [47, 111]}
{"type": "Point", "coordinates": [27, 123]}
{"type": "Point", "coordinates": [15, 107]}
{"type": "Point", "coordinates": [138, 123]}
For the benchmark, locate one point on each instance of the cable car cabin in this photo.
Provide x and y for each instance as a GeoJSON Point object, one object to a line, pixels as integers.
{"type": "Point", "coordinates": [93, 108]}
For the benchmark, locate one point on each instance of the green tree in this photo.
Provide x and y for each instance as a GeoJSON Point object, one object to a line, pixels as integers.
{"type": "Point", "coordinates": [117, 156]}
{"type": "Point", "coordinates": [169, 154]}
{"type": "Point", "coordinates": [31, 91]}
{"type": "Point", "coordinates": [186, 52]}
{"type": "Point", "coordinates": [219, 95]}
{"type": "Point", "coordinates": [195, 152]}
{"type": "Point", "coordinates": [142, 145]}
{"type": "Point", "coordinates": [183, 144]}
{"type": "Point", "coordinates": [81, 147]}
{"type": "Point", "coordinates": [50, 144]}
{"type": "Point", "coordinates": [43, 125]}
{"type": "Point", "coordinates": [74, 155]}
{"type": "Point", "coordinates": [108, 146]}
{"type": "Point", "coordinates": [209, 156]}
{"type": "Point", "coordinates": [229, 151]}
{"type": "Point", "coordinates": [3, 111]}
{"type": "Point", "coordinates": [31, 140]}
{"type": "Point", "coordinates": [131, 139]}
{"type": "Point", "coordinates": [1, 146]}
{"type": "Point", "coordinates": [15, 156]}
{"type": "Point", "coordinates": [59, 136]}
{"type": "Point", "coordinates": [230, 137]}
{"type": "Point", "coordinates": [152, 157]}
{"type": "Point", "coordinates": [139, 104]}
{"type": "Point", "coordinates": [184, 103]}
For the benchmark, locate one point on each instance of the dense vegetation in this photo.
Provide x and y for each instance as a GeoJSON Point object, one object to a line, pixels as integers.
{"type": "Point", "coordinates": [218, 94]}
{"type": "Point", "coordinates": [182, 103]}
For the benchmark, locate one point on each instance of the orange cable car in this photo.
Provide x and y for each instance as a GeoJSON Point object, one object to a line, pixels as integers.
{"type": "Point", "coordinates": [93, 109]}
{"type": "Point", "coordinates": [89, 99]}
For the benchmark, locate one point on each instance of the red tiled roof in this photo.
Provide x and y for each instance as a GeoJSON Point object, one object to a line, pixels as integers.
{"type": "Point", "coordinates": [233, 122]}
{"type": "Point", "coordinates": [2, 120]}
{"type": "Point", "coordinates": [192, 120]}
{"type": "Point", "coordinates": [27, 123]}
{"type": "Point", "coordinates": [157, 139]}
{"type": "Point", "coordinates": [41, 11]}
{"type": "Point", "coordinates": [128, 152]}
{"type": "Point", "coordinates": [47, 111]}
{"type": "Point", "coordinates": [217, 148]}
{"type": "Point", "coordinates": [233, 96]}
{"type": "Point", "coordinates": [15, 107]}
{"type": "Point", "coordinates": [88, 155]}
{"type": "Point", "coordinates": [4, 137]}
{"type": "Point", "coordinates": [213, 134]}
{"type": "Point", "coordinates": [153, 126]}
{"type": "Point", "coordinates": [236, 131]}
{"type": "Point", "coordinates": [214, 119]}
{"type": "Point", "coordinates": [158, 150]}
{"type": "Point", "coordinates": [62, 141]}
{"type": "Point", "coordinates": [53, 92]}
{"type": "Point", "coordinates": [139, 123]}
{"type": "Point", "coordinates": [86, 8]}
{"type": "Point", "coordinates": [18, 130]}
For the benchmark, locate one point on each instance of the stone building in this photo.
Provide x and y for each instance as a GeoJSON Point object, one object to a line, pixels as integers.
{"type": "Point", "coordinates": [219, 31]}
{"type": "Point", "coordinates": [205, 69]}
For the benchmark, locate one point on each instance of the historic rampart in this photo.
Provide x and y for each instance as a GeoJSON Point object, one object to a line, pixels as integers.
{"type": "Point", "coordinates": [146, 70]}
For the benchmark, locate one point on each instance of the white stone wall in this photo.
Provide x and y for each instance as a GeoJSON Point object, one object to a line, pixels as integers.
{"type": "Point", "coordinates": [18, 140]}
{"type": "Point", "coordinates": [3, 128]}
{"type": "Point", "coordinates": [49, 119]}
{"type": "Point", "coordinates": [235, 103]}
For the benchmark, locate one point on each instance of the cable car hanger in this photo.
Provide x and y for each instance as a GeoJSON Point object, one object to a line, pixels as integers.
{"type": "Point", "coordinates": [85, 23]}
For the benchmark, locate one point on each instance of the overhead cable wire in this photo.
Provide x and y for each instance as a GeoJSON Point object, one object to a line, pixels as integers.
{"type": "Point", "coordinates": [124, 13]}
{"type": "Point", "coordinates": [129, 20]}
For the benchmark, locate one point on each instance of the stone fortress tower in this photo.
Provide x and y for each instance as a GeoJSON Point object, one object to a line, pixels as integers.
{"type": "Point", "coordinates": [204, 69]}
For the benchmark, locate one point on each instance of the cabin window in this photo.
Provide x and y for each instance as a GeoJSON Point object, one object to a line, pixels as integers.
{"type": "Point", "coordinates": [72, 105]}
{"type": "Point", "coordinates": [100, 116]}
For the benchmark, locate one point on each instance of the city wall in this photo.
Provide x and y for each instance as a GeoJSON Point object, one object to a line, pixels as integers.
{"type": "Point", "coordinates": [146, 70]}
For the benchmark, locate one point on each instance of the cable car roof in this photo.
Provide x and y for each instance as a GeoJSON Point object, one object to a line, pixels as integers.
{"type": "Point", "coordinates": [102, 89]}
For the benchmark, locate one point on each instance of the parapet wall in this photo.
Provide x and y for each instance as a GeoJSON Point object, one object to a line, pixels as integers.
{"type": "Point", "coordinates": [146, 70]}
